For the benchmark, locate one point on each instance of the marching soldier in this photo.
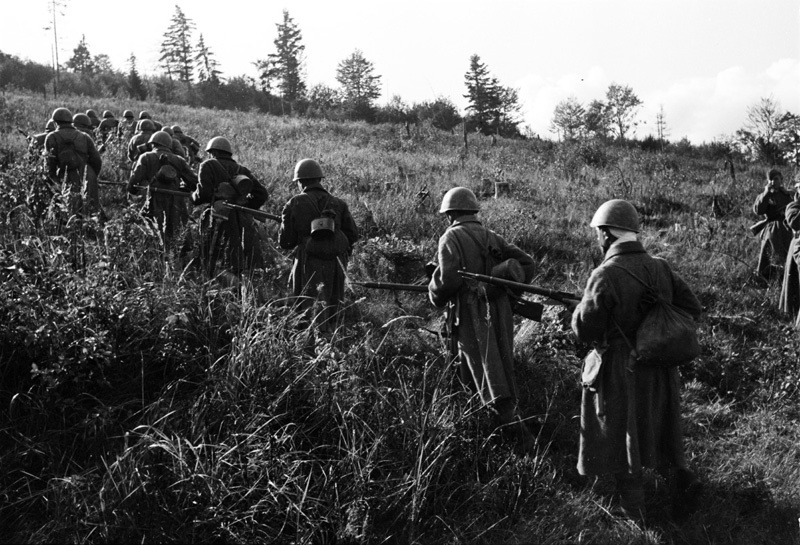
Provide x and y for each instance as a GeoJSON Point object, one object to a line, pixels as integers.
{"type": "Point", "coordinates": [630, 416]}
{"type": "Point", "coordinates": [108, 126]}
{"type": "Point", "coordinates": [160, 169]}
{"type": "Point", "coordinates": [94, 120]}
{"type": "Point", "coordinates": [192, 146]}
{"type": "Point", "coordinates": [83, 123]}
{"type": "Point", "coordinates": [480, 319]}
{"type": "Point", "coordinates": [775, 237]}
{"type": "Point", "coordinates": [36, 142]}
{"type": "Point", "coordinates": [228, 234]}
{"type": "Point", "coordinates": [790, 291]}
{"type": "Point", "coordinates": [127, 127]}
{"type": "Point", "coordinates": [139, 140]}
{"type": "Point", "coordinates": [144, 114]}
{"type": "Point", "coordinates": [177, 147]}
{"type": "Point", "coordinates": [73, 158]}
{"type": "Point", "coordinates": [321, 231]}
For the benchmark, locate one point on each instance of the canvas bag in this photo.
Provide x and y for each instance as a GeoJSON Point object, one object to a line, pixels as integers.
{"type": "Point", "coordinates": [667, 336]}
{"type": "Point", "coordinates": [68, 157]}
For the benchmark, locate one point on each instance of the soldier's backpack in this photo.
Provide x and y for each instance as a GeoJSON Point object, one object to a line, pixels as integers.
{"type": "Point", "coordinates": [166, 175]}
{"type": "Point", "coordinates": [68, 156]}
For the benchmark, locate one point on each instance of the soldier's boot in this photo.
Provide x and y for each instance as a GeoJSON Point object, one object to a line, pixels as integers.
{"type": "Point", "coordinates": [508, 417]}
{"type": "Point", "coordinates": [685, 491]}
{"type": "Point", "coordinates": [630, 488]}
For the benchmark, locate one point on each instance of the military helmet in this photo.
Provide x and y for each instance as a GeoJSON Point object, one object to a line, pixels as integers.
{"type": "Point", "coordinates": [177, 130]}
{"type": "Point", "coordinates": [219, 143]}
{"type": "Point", "coordinates": [91, 113]}
{"type": "Point", "coordinates": [146, 125]}
{"type": "Point", "coordinates": [51, 126]}
{"type": "Point", "coordinates": [459, 198]}
{"type": "Point", "coordinates": [107, 114]}
{"type": "Point", "coordinates": [617, 213]}
{"type": "Point", "coordinates": [81, 119]}
{"type": "Point", "coordinates": [307, 169]}
{"type": "Point", "coordinates": [162, 139]}
{"type": "Point", "coordinates": [127, 114]}
{"type": "Point", "coordinates": [774, 173]}
{"type": "Point", "coordinates": [61, 115]}
{"type": "Point", "coordinates": [167, 130]}
{"type": "Point", "coordinates": [144, 114]}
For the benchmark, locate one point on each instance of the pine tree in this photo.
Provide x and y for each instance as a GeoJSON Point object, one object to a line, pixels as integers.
{"type": "Point", "coordinates": [285, 65]}
{"type": "Point", "coordinates": [136, 87]}
{"type": "Point", "coordinates": [483, 92]}
{"type": "Point", "coordinates": [176, 49]}
{"type": "Point", "coordinates": [81, 60]}
{"type": "Point", "coordinates": [206, 65]}
{"type": "Point", "coordinates": [360, 86]}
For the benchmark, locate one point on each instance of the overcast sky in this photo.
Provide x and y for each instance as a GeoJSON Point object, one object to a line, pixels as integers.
{"type": "Point", "coordinates": [703, 61]}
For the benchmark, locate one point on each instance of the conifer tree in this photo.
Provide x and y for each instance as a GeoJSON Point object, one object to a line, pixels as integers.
{"type": "Point", "coordinates": [81, 60]}
{"type": "Point", "coordinates": [285, 66]}
{"type": "Point", "coordinates": [136, 87]}
{"type": "Point", "coordinates": [176, 49]}
{"type": "Point", "coordinates": [207, 67]}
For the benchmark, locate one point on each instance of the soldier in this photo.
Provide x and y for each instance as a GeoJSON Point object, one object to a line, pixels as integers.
{"type": "Point", "coordinates": [775, 237]}
{"type": "Point", "coordinates": [177, 147]}
{"type": "Point", "coordinates": [36, 142]}
{"type": "Point", "coordinates": [83, 123]}
{"type": "Point", "coordinates": [480, 320]}
{"type": "Point", "coordinates": [108, 126]}
{"type": "Point", "coordinates": [127, 128]}
{"type": "Point", "coordinates": [790, 291]}
{"type": "Point", "coordinates": [144, 114]}
{"type": "Point", "coordinates": [631, 416]}
{"type": "Point", "coordinates": [192, 146]}
{"type": "Point", "coordinates": [73, 158]}
{"type": "Point", "coordinates": [226, 233]}
{"type": "Point", "coordinates": [162, 169]}
{"type": "Point", "coordinates": [320, 229]}
{"type": "Point", "coordinates": [94, 120]}
{"type": "Point", "coordinates": [144, 131]}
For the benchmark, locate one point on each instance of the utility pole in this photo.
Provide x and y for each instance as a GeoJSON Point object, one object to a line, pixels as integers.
{"type": "Point", "coordinates": [55, 46]}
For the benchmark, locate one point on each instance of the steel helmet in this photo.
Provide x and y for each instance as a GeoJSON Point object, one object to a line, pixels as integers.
{"type": "Point", "coordinates": [107, 114]}
{"type": "Point", "coordinates": [307, 169]}
{"type": "Point", "coordinates": [774, 173]}
{"type": "Point", "coordinates": [127, 114]}
{"type": "Point", "coordinates": [162, 139]}
{"type": "Point", "coordinates": [219, 143]}
{"type": "Point", "coordinates": [167, 130]}
{"type": "Point", "coordinates": [91, 113]}
{"type": "Point", "coordinates": [81, 119]}
{"type": "Point", "coordinates": [459, 198]}
{"type": "Point", "coordinates": [146, 125]}
{"type": "Point", "coordinates": [62, 115]}
{"type": "Point", "coordinates": [616, 213]}
{"type": "Point", "coordinates": [176, 129]}
{"type": "Point", "coordinates": [144, 114]}
{"type": "Point", "coordinates": [51, 126]}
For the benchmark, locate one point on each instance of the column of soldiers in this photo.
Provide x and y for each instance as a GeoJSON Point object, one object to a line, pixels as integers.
{"type": "Point", "coordinates": [630, 418]}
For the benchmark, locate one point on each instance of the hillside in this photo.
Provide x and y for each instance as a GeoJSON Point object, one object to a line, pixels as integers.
{"type": "Point", "coordinates": [142, 402]}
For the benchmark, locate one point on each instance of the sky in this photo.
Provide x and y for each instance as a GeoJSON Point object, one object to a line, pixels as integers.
{"type": "Point", "coordinates": [701, 62]}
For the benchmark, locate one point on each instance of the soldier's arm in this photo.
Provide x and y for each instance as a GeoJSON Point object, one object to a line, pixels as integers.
{"type": "Point", "coordinates": [94, 159]}
{"type": "Point", "coordinates": [761, 204]}
{"type": "Point", "coordinates": [445, 281]}
{"type": "Point", "coordinates": [349, 227]}
{"type": "Point", "coordinates": [139, 175]}
{"type": "Point", "coordinates": [287, 236]}
{"type": "Point", "coordinates": [258, 196]}
{"type": "Point", "coordinates": [792, 214]}
{"type": "Point", "coordinates": [592, 317]}
{"type": "Point", "coordinates": [204, 190]}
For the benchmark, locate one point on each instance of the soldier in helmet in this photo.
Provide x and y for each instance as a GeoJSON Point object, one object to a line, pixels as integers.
{"type": "Point", "coordinates": [144, 114]}
{"type": "Point", "coordinates": [480, 320]}
{"type": "Point", "coordinates": [159, 168]}
{"type": "Point", "coordinates": [94, 121]}
{"type": "Point", "coordinates": [320, 229]}
{"type": "Point", "coordinates": [229, 235]}
{"type": "Point", "coordinates": [630, 416]}
{"type": "Point", "coordinates": [83, 123]}
{"type": "Point", "coordinates": [108, 126]}
{"type": "Point", "coordinates": [192, 146]}
{"type": "Point", "coordinates": [775, 237]}
{"type": "Point", "coordinates": [177, 147]}
{"type": "Point", "coordinates": [139, 141]}
{"type": "Point", "coordinates": [72, 158]}
{"type": "Point", "coordinates": [127, 127]}
{"type": "Point", "coordinates": [36, 142]}
{"type": "Point", "coordinates": [790, 291]}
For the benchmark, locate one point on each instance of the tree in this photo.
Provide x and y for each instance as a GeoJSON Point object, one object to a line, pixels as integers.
{"type": "Point", "coordinates": [207, 67]}
{"type": "Point", "coordinates": [285, 65]}
{"type": "Point", "coordinates": [661, 125]}
{"type": "Point", "coordinates": [769, 134]}
{"type": "Point", "coordinates": [596, 120]}
{"type": "Point", "coordinates": [508, 111]}
{"type": "Point", "coordinates": [176, 49]}
{"type": "Point", "coordinates": [323, 101]}
{"type": "Point", "coordinates": [441, 113]}
{"type": "Point", "coordinates": [622, 104]}
{"type": "Point", "coordinates": [102, 63]}
{"type": "Point", "coordinates": [81, 60]}
{"type": "Point", "coordinates": [569, 118]}
{"type": "Point", "coordinates": [483, 95]}
{"type": "Point", "coordinates": [136, 88]}
{"type": "Point", "coordinates": [360, 86]}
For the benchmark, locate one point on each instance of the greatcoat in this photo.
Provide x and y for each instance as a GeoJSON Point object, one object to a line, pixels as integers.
{"type": "Point", "coordinates": [631, 418]}
{"type": "Point", "coordinates": [312, 271]}
{"type": "Point", "coordinates": [790, 291]}
{"type": "Point", "coordinates": [482, 324]}
{"type": "Point", "coordinates": [82, 181]}
{"type": "Point", "coordinates": [776, 235]}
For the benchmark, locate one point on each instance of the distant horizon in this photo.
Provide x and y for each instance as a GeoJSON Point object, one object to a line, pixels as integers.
{"type": "Point", "coordinates": [704, 63]}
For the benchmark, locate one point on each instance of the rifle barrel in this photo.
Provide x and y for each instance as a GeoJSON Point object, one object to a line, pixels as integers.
{"type": "Point", "coordinates": [393, 286]}
{"type": "Point", "coordinates": [528, 288]}
{"type": "Point", "coordinates": [257, 214]}
{"type": "Point", "coordinates": [163, 190]}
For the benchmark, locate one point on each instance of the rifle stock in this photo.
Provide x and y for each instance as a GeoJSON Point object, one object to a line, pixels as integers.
{"type": "Point", "coordinates": [560, 296]}
{"type": "Point", "coordinates": [757, 227]}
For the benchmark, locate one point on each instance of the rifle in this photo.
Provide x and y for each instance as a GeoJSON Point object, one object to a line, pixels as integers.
{"type": "Point", "coordinates": [259, 215]}
{"type": "Point", "coordinates": [110, 182]}
{"type": "Point", "coordinates": [163, 191]}
{"type": "Point", "coordinates": [393, 286]}
{"type": "Point", "coordinates": [561, 297]}
{"type": "Point", "coordinates": [23, 133]}
{"type": "Point", "coordinates": [757, 227]}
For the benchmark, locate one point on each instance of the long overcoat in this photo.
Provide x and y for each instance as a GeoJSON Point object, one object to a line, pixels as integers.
{"type": "Point", "coordinates": [790, 291]}
{"type": "Point", "coordinates": [309, 271]}
{"type": "Point", "coordinates": [235, 238]}
{"type": "Point", "coordinates": [775, 237]}
{"type": "Point", "coordinates": [82, 181]}
{"type": "Point", "coordinates": [482, 328]}
{"type": "Point", "coordinates": [632, 417]}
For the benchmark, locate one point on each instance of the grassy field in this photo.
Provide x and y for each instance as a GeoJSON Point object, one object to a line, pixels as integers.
{"type": "Point", "coordinates": [143, 403]}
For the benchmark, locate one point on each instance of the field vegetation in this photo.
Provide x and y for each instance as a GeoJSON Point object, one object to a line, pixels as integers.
{"type": "Point", "coordinates": [142, 402]}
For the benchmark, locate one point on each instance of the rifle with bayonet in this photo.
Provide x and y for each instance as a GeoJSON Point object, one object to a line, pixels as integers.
{"type": "Point", "coordinates": [562, 297]}
{"type": "Point", "coordinates": [259, 215]}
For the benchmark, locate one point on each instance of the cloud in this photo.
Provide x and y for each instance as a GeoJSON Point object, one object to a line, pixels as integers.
{"type": "Point", "coordinates": [698, 108]}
